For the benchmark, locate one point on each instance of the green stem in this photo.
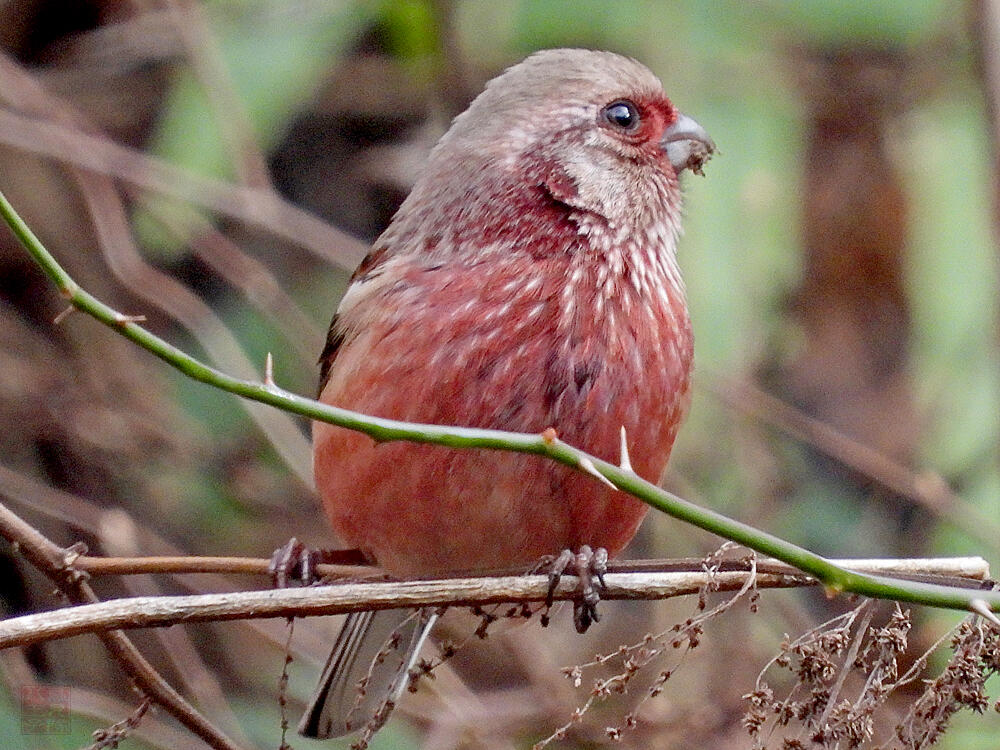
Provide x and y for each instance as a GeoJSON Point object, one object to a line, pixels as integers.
{"type": "Point", "coordinates": [835, 578]}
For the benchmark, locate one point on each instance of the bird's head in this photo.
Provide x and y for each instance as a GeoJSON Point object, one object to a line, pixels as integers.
{"type": "Point", "coordinates": [568, 142]}
{"type": "Point", "coordinates": [597, 124]}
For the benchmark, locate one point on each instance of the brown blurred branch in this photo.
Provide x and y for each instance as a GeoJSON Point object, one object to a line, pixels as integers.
{"type": "Point", "coordinates": [114, 236]}
{"type": "Point", "coordinates": [985, 32]}
{"type": "Point", "coordinates": [72, 134]}
{"type": "Point", "coordinates": [202, 50]}
{"type": "Point", "coordinates": [254, 280]}
{"type": "Point", "coordinates": [984, 29]}
{"type": "Point", "coordinates": [18, 674]}
{"type": "Point", "coordinates": [56, 563]}
{"type": "Point", "coordinates": [57, 132]}
{"type": "Point", "coordinates": [926, 488]}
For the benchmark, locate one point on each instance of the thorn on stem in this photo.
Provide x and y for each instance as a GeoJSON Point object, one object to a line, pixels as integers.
{"type": "Point", "coordinates": [63, 315]}
{"type": "Point", "coordinates": [588, 466]}
{"type": "Point", "coordinates": [980, 607]}
{"type": "Point", "coordinates": [626, 462]}
{"type": "Point", "coordinates": [269, 371]}
{"type": "Point", "coordinates": [122, 319]}
{"type": "Point", "coordinates": [73, 552]}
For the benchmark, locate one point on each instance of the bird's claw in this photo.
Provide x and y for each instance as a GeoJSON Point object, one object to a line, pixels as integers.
{"type": "Point", "coordinates": [586, 564]}
{"type": "Point", "coordinates": [294, 562]}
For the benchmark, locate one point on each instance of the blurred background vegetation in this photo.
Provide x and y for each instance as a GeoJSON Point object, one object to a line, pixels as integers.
{"type": "Point", "coordinates": [840, 257]}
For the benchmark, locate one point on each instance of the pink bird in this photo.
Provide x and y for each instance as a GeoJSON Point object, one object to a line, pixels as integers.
{"type": "Point", "coordinates": [528, 281]}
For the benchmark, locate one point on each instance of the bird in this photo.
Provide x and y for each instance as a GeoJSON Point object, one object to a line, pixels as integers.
{"type": "Point", "coordinates": [529, 281]}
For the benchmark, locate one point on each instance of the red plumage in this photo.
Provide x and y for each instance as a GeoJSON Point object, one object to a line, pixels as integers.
{"type": "Point", "coordinates": [502, 362]}
{"type": "Point", "coordinates": [528, 281]}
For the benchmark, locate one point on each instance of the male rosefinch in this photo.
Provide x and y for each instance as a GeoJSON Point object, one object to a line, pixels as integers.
{"type": "Point", "coordinates": [528, 281]}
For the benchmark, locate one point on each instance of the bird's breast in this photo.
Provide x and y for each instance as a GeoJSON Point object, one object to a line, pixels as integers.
{"type": "Point", "coordinates": [563, 343]}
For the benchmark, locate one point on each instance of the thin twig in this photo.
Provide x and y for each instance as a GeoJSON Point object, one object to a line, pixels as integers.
{"type": "Point", "coordinates": [56, 564]}
{"type": "Point", "coordinates": [968, 570]}
{"type": "Point", "coordinates": [119, 566]}
{"type": "Point", "coordinates": [846, 666]}
{"type": "Point", "coordinates": [196, 679]}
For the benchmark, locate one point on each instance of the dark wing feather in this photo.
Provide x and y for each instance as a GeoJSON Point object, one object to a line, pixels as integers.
{"type": "Point", "coordinates": [335, 336]}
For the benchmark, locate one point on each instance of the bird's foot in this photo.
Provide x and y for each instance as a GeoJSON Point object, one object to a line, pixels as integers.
{"type": "Point", "coordinates": [587, 565]}
{"type": "Point", "coordinates": [294, 562]}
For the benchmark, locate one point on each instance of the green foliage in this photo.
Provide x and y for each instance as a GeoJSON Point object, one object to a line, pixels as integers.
{"type": "Point", "coordinates": [876, 22]}
{"type": "Point", "coordinates": [275, 57]}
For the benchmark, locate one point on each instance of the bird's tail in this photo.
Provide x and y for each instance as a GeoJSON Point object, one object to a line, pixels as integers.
{"type": "Point", "coordinates": [367, 671]}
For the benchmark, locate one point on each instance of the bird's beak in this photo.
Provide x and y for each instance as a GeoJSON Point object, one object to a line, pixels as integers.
{"type": "Point", "coordinates": [687, 145]}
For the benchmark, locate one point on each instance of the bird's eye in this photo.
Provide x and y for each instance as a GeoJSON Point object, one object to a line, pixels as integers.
{"type": "Point", "coordinates": [623, 114]}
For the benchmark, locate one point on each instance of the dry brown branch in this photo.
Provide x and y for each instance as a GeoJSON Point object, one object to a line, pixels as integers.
{"type": "Point", "coordinates": [83, 515]}
{"type": "Point", "coordinates": [124, 566]}
{"type": "Point", "coordinates": [56, 564]}
{"type": "Point", "coordinates": [142, 612]}
{"type": "Point", "coordinates": [196, 678]}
